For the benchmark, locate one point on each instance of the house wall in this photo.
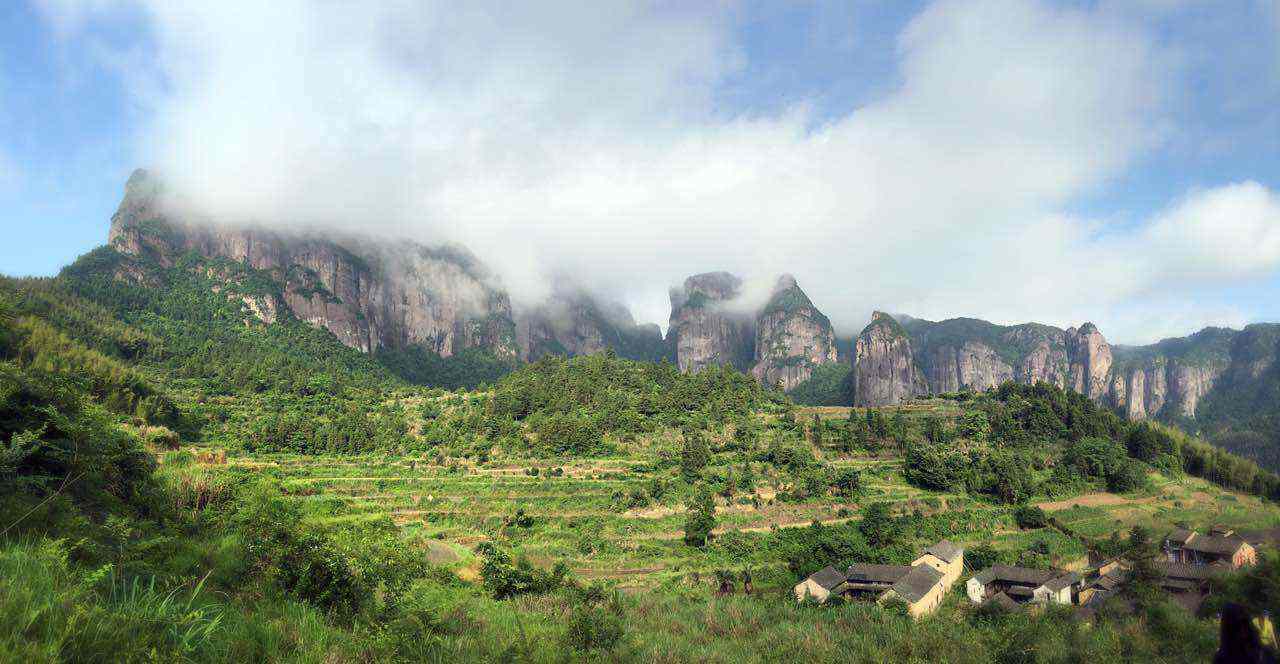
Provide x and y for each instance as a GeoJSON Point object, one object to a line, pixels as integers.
{"type": "Point", "coordinates": [1246, 555]}
{"type": "Point", "coordinates": [951, 571]}
{"type": "Point", "coordinates": [810, 588]}
{"type": "Point", "coordinates": [975, 590]}
{"type": "Point", "coordinates": [1043, 594]}
{"type": "Point", "coordinates": [929, 603]}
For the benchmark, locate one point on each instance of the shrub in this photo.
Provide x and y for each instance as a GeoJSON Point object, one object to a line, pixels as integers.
{"type": "Point", "coordinates": [594, 628]}
{"type": "Point", "coordinates": [1030, 516]}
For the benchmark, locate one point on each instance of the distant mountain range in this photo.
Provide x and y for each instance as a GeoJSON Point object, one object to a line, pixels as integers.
{"type": "Point", "coordinates": [375, 295]}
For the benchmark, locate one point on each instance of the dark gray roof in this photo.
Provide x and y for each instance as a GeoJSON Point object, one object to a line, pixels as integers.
{"type": "Point", "coordinates": [1111, 581]}
{"type": "Point", "coordinates": [877, 573]}
{"type": "Point", "coordinates": [1057, 584]}
{"type": "Point", "coordinates": [1180, 535]}
{"type": "Point", "coordinates": [917, 583]}
{"type": "Point", "coordinates": [1215, 544]}
{"type": "Point", "coordinates": [1015, 575]}
{"type": "Point", "coordinates": [1183, 571]}
{"type": "Point", "coordinates": [828, 577]}
{"type": "Point", "coordinates": [945, 550]}
{"type": "Point", "coordinates": [1020, 591]}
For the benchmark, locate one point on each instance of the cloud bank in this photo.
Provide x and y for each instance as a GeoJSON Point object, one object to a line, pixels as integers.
{"type": "Point", "coordinates": [557, 138]}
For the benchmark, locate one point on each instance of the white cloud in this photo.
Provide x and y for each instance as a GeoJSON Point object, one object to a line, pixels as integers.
{"type": "Point", "coordinates": [563, 138]}
{"type": "Point", "coordinates": [1229, 232]}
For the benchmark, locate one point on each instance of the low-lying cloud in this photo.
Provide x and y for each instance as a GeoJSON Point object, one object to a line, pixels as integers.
{"type": "Point", "coordinates": [577, 139]}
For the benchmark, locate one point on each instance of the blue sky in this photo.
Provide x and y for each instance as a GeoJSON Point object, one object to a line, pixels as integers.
{"type": "Point", "coordinates": [746, 115]}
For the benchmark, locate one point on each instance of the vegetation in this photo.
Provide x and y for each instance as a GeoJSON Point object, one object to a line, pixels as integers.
{"type": "Point", "coordinates": [179, 482]}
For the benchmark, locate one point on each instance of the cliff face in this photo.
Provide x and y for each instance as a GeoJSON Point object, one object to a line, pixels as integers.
{"type": "Point", "coordinates": [1168, 379]}
{"type": "Point", "coordinates": [971, 366]}
{"type": "Point", "coordinates": [884, 368]}
{"type": "Point", "coordinates": [1089, 355]}
{"type": "Point", "coordinates": [792, 337]}
{"type": "Point", "coordinates": [574, 323]}
{"type": "Point", "coordinates": [704, 330]}
{"type": "Point", "coordinates": [369, 294]}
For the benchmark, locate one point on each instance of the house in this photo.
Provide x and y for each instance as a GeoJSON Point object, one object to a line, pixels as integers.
{"type": "Point", "coordinates": [1022, 585]}
{"type": "Point", "coordinates": [1103, 583]}
{"type": "Point", "coordinates": [869, 582]}
{"type": "Point", "coordinates": [1057, 590]}
{"type": "Point", "coordinates": [921, 585]}
{"type": "Point", "coordinates": [1220, 545]}
{"type": "Point", "coordinates": [819, 585]}
{"type": "Point", "coordinates": [1189, 584]}
{"type": "Point", "coordinates": [947, 558]}
{"type": "Point", "coordinates": [922, 589]}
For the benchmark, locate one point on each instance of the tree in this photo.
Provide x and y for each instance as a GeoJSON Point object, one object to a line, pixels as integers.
{"type": "Point", "coordinates": [701, 518]}
{"type": "Point", "coordinates": [878, 525]}
{"type": "Point", "coordinates": [1030, 516]}
{"type": "Point", "coordinates": [694, 456]}
{"type": "Point", "coordinates": [859, 432]}
{"type": "Point", "coordinates": [1012, 479]}
{"type": "Point", "coordinates": [974, 426]}
{"type": "Point", "coordinates": [937, 467]}
{"type": "Point", "coordinates": [847, 483]}
{"type": "Point", "coordinates": [816, 430]}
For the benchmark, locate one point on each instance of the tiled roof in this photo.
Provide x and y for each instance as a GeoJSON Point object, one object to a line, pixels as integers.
{"type": "Point", "coordinates": [1214, 544]}
{"type": "Point", "coordinates": [1180, 535]}
{"type": "Point", "coordinates": [877, 573]}
{"type": "Point", "coordinates": [917, 583]}
{"type": "Point", "coordinates": [945, 550]}
{"type": "Point", "coordinates": [828, 577]}
{"type": "Point", "coordinates": [1057, 584]}
{"type": "Point", "coordinates": [1015, 575]}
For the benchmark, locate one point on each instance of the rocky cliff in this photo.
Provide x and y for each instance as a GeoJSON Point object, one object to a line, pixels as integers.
{"type": "Point", "coordinates": [884, 367]}
{"type": "Point", "coordinates": [792, 337]}
{"type": "Point", "coordinates": [971, 354]}
{"type": "Point", "coordinates": [1168, 379]}
{"type": "Point", "coordinates": [1090, 361]}
{"type": "Point", "coordinates": [369, 294]}
{"type": "Point", "coordinates": [706, 328]}
{"type": "Point", "coordinates": [572, 322]}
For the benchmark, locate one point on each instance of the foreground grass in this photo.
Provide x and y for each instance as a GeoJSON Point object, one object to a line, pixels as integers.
{"type": "Point", "coordinates": [51, 611]}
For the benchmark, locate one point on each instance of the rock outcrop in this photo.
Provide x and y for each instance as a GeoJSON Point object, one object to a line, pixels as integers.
{"type": "Point", "coordinates": [1089, 355]}
{"type": "Point", "coordinates": [792, 337]}
{"type": "Point", "coordinates": [369, 294]}
{"type": "Point", "coordinates": [572, 323]}
{"type": "Point", "coordinates": [884, 368]}
{"type": "Point", "coordinates": [706, 327]}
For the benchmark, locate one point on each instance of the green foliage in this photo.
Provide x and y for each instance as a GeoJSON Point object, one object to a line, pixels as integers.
{"type": "Point", "coordinates": [829, 385]}
{"type": "Point", "coordinates": [504, 579]}
{"type": "Point", "coordinates": [466, 369]}
{"type": "Point", "coordinates": [936, 466]}
{"type": "Point", "coordinates": [878, 526]}
{"type": "Point", "coordinates": [701, 517]}
{"type": "Point", "coordinates": [1030, 516]}
{"type": "Point", "coordinates": [694, 455]}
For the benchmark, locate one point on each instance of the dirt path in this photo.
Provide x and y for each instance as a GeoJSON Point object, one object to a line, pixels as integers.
{"type": "Point", "coordinates": [1104, 499]}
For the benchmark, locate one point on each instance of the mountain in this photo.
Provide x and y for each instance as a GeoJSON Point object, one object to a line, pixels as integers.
{"type": "Point", "coordinates": [706, 329]}
{"type": "Point", "coordinates": [885, 370]}
{"type": "Point", "coordinates": [370, 294]}
{"type": "Point", "coordinates": [573, 323]}
{"type": "Point", "coordinates": [792, 337]}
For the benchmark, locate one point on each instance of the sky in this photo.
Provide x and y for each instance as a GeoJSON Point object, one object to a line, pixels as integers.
{"type": "Point", "coordinates": [1115, 161]}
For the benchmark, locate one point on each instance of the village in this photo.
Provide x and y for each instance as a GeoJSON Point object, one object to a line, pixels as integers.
{"type": "Point", "coordinates": [1187, 562]}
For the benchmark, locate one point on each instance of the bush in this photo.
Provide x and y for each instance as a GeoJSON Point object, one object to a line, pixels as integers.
{"type": "Point", "coordinates": [594, 628]}
{"type": "Point", "coordinates": [1030, 516]}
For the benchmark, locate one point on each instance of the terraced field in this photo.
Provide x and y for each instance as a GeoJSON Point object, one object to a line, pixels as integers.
{"type": "Point", "coordinates": [578, 511]}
